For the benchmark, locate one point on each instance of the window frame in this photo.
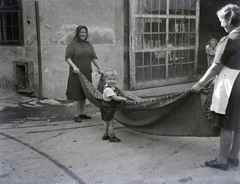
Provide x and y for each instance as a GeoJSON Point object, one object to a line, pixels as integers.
{"type": "Point", "coordinates": [11, 9]}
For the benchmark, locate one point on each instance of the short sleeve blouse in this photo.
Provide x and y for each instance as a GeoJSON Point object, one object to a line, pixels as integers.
{"type": "Point", "coordinates": [227, 52]}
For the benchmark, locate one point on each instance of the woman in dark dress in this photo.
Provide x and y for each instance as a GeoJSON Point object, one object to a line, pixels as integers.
{"type": "Point", "coordinates": [226, 95]}
{"type": "Point", "coordinates": [79, 55]}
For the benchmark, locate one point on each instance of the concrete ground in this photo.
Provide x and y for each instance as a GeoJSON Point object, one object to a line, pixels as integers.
{"type": "Point", "coordinates": [40, 144]}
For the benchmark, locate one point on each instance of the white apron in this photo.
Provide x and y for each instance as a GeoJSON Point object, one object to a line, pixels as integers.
{"type": "Point", "coordinates": [222, 89]}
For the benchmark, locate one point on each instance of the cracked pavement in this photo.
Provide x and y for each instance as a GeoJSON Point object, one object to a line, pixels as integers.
{"type": "Point", "coordinates": [40, 144]}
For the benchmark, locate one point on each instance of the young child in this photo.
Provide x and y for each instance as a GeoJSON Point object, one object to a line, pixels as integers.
{"type": "Point", "coordinates": [109, 103]}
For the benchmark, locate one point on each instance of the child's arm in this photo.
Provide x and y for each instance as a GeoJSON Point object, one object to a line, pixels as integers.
{"type": "Point", "coordinates": [118, 98]}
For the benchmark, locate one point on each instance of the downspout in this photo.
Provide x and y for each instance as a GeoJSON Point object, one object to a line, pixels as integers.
{"type": "Point", "coordinates": [39, 50]}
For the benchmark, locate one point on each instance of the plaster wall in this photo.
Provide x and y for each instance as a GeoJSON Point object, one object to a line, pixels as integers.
{"type": "Point", "coordinates": [58, 20]}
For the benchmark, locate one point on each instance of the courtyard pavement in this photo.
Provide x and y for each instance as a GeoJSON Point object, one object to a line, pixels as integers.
{"type": "Point", "coordinates": [40, 144]}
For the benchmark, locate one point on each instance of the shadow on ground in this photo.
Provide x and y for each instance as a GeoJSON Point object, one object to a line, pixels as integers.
{"type": "Point", "coordinates": [44, 112]}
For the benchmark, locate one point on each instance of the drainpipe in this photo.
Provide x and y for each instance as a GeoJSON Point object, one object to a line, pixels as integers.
{"type": "Point", "coordinates": [39, 50]}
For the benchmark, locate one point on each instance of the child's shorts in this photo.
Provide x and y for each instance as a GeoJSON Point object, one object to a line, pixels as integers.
{"type": "Point", "coordinates": [107, 110]}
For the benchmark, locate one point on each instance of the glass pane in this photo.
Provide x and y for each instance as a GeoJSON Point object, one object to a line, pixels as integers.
{"type": "Point", "coordinates": [155, 60]}
{"type": "Point", "coordinates": [147, 74]}
{"type": "Point", "coordinates": [191, 55]}
{"type": "Point", "coordinates": [148, 25]}
{"type": "Point", "coordinates": [191, 69]}
{"type": "Point", "coordinates": [192, 39]}
{"type": "Point", "coordinates": [15, 2]}
{"type": "Point", "coordinates": [178, 25]}
{"type": "Point", "coordinates": [171, 71]}
{"type": "Point", "coordinates": [161, 40]}
{"type": "Point", "coordinates": [139, 25]}
{"type": "Point", "coordinates": [184, 56]}
{"type": "Point", "coordinates": [155, 72]}
{"type": "Point", "coordinates": [148, 7]}
{"type": "Point", "coordinates": [7, 2]}
{"type": "Point", "coordinates": [138, 41]}
{"type": "Point", "coordinates": [162, 72]}
{"type": "Point", "coordinates": [192, 26]}
{"type": "Point", "coordinates": [1, 19]}
{"type": "Point", "coordinates": [139, 7]}
{"type": "Point", "coordinates": [139, 74]}
{"type": "Point", "coordinates": [155, 40]}
{"type": "Point", "coordinates": [16, 34]}
{"type": "Point", "coordinates": [147, 58]}
{"type": "Point", "coordinates": [9, 34]}
{"type": "Point", "coordinates": [146, 41]}
{"type": "Point", "coordinates": [185, 70]}
{"type": "Point", "coordinates": [138, 58]}
{"type": "Point", "coordinates": [157, 25]}
{"type": "Point", "coordinates": [182, 7]}
{"type": "Point", "coordinates": [1, 34]}
{"type": "Point", "coordinates": [9, 19]}
{"type": "Point", "coordinates": [178, 56]}
{"type": "Point", "coordinates": [160, 55]}
{"type": "Point", "coordinates": [151, 6]}
{"type": "Point", "coordinates": [157, 6]}
{"type": "Point", "coordinates": [191, 7]}
{"type": "Point", "coordinates": [15, 18]}
{"type": "Point", "coordinates": [179, 40]}
{"type": "Point", "coordinates": [178, 69]}
{"type": "Point", "coordinates": [173, 57]}
{"type": "Point", "coordinates": [162, 25]}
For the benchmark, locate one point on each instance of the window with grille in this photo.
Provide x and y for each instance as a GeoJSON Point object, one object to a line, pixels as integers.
{"type": "Point", "coordinates": [10, 22]}
{"type": "Point", "coordinates": [163, 42]}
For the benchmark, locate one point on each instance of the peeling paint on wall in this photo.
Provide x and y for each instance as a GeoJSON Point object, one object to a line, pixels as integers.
{"type": "Point", "coordinates": [31, 39]}
{"type": "Point", "coordinates": [6, 83]}
{"type": "Point", "coordinates": [101, 35]}
{"type": "Point", "coordinates": [96, 35]}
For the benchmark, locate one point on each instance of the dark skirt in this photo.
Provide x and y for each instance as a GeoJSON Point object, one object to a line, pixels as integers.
{"type": "Point", "coordinates": [74, 88]}
{"type": "Point", "coordinates": [108, 110]}
{"type": "Point", "coordinates": [231, 119]}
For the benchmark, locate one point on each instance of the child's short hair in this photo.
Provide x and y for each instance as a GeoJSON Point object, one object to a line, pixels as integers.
{"type": "Point", "coordinates": [110, 72]}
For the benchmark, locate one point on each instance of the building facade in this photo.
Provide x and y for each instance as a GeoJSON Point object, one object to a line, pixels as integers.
{"type": "Point", "coordinates": [40, 32]}
{"type": "Point", "coordinates": [150, 43]}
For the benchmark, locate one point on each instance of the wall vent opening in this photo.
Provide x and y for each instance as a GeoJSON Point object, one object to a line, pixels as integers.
{"type": "Point", "coordinates": [23, 71]}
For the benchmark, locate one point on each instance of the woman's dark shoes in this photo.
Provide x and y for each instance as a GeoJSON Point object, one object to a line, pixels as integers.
{"type": "Point", "coordinates": [84, 116]}
{"type": "Point", "coordinates": [77, 119]}
{"type": "Point", "coordinates": [233, 161]}
{"type": "Point", "coordinates": [216, 164]}
{"type": "Point", "coordinates": [105, 137]}
{"type": "Point", "coordinates": [114, 139]}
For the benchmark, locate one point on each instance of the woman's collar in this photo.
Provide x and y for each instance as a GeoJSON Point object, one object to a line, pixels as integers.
{"type": "Point", "coordinates": [235, 30]}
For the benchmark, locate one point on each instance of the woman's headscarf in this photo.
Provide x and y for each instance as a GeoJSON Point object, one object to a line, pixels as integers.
{"type": "Point", "coordinates": [76, 37]}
